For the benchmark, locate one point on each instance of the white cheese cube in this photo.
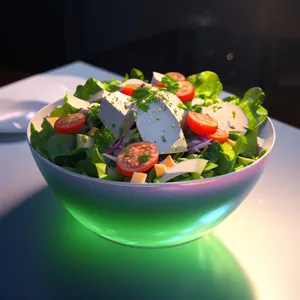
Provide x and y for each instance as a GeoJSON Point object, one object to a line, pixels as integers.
{"type": "Point", "coordinates": [116, 113]}
{"type": "Point", "coordinates": [84, 141]}
{"type": "Point", "coordinates": [156, 77]}
{"type": "Point", "coordinates": [138, 177]}
{"type": "Point", "coordinates": [161, 124]}
{"type": "Point", "coordinates": [230, 117]}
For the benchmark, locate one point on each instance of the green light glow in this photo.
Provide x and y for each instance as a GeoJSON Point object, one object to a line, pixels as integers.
{"type": "Point", "coordinates": [203, 269]}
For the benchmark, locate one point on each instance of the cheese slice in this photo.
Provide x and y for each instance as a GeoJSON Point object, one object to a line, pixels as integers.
{"type": "Point", "coordinates": [52, 120]}
{"type": "Point", "coordinates": [188, 166]}
{"type": "Point", "coordinates": [76, 102]}
{"type": "Point", "coordinates": [138, 177]}
{"type": "Point", "coordinates": [160, 169]}
{"type": "Point", "coordinates": [230, 117]}
{"type": "Point", "coordinates": [168, 161]}
{"type": "Point", "coordinates": [133, 81]}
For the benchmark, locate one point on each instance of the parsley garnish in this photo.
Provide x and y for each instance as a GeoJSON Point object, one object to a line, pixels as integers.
{"type": "Point", "coordinates": [171, 83]}
{"type": "Point", "coordinates": [188, 106]}
{"type": "Point", "coordinates": [233, 114]}
{"type": "Point", "coordinates": [143, 158]}
{"type": "Point", "coordinates": [143, 96]}
{"type": "Point", "coordinates": [103, 138]}
{"type": "Point", "coordinates": [93, 115]}
{"type": "Point", "coordinates": [163, 138]}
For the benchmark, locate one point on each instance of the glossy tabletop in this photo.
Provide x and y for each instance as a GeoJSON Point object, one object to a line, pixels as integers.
{"type": "Point", "coordinates": [46, 254]}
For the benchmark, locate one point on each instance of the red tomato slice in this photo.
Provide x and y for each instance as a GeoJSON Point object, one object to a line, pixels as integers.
{"type": "Point", "coordinates": [70, 123]}
{"type": "Point", "coordinates": [159, 84]}
{"type": "Point", "coordinates": [129, 89]}
{"type": "Point", "coordinates": [201, 124]}
{"type": "Point", "coordinates": [137, 157]}
{"type": "Point", "coordinates": [186, 91]}
{"type": "Point", "coordinates": [176, 75]}
{"type": "Point", "coordinates": [220, 135]}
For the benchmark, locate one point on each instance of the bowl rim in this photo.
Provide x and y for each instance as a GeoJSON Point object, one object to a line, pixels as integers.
{"type": "Point", "coordinates": [152, 185]}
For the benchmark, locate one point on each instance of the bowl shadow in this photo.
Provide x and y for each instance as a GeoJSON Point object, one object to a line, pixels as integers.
{"type": "Point", "coordinates": [46, 254]}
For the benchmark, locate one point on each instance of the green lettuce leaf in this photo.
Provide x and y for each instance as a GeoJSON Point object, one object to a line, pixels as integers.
{"type": "Point", "coordinates": [96, 156]}
{"type": "Point", "coordinates": [86, 167]}
{"type": "Point", "coordinates": [101, 170]}
{"type": "Point", "coordinates": [71, 157]}
{"type": "Point", "coordinates": [65, 109]}
{"type": "Point", "coordinates": [207, 85]}
{"type": "Point", "coordinates": [248, 142]}
{"type": "Point", "coordinates": [251, 104]}
{"type": "Point", "coordinates": [87, 90]}
{"type": "Point", "coordinates": [60, 145]}
{"type": "Point", "coordinates": [93, 86]}
{"type": "Point", "coordinates": [110, 86]}
{"type": "Point", "coordinates": [134, 73]}
{"type": "Point", "coordinates": [39, 140]}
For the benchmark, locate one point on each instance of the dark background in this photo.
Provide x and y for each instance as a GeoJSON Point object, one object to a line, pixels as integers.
{"type": "Point", "coordinates": [262, 39]}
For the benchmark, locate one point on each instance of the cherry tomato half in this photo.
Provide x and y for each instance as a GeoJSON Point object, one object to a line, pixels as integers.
{"type": "Point", "coordinates": [70, 123]}
{"type": "Point", "coordinates": [176, 75]}
{"type": "Point", "coordinates": [129, 89]}
{"type": "Point", "coordinates": [186, 91]}
{"type": "Point", "coordinates": [137, 157]}
{"type": "Point", "coordinates": [159, 84]}
{"type": "Point", "coordinates": [220, 135]}
{"type": "Point", "coordinates": [201, 124]}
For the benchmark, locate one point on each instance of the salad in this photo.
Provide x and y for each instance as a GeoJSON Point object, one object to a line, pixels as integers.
{"type": "Point", "coordinates": [170, 129]}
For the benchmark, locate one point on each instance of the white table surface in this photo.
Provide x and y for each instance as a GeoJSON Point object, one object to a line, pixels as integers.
{"type": "Point", "coordinates": [262, 234]}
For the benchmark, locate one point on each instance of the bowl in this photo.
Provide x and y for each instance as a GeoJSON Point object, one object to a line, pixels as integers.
{"type": "Point", "coordinates": [150, 215]}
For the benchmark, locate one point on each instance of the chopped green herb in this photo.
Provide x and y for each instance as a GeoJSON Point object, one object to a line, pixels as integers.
{"type": "Point", "coordinates": [113, 125]}
{"type": "Point", "coordinates": [163, 138]}
{"type": "Point", "coordinates": [143, 158]}
{"type": "Point", "coordinates": [157, 119]}
{"type": "Point", "coordinates": [171, 83]}
{"type": "Point", "coordinates": [93, 115]}
{"type": "Point", "coordinates": [233, 114]}
{"type": "Point", "coordinates": [173, 126]}
{"type": "Point", "coordinates": [143, 96]}
{"type": "Point", "coordinates": [103, 138]}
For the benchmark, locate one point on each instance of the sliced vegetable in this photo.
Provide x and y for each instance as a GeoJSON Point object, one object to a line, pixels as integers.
{"type": "Point", "coordinates": [201, 124]}
{"type": "Point", "coordinates": [186, 91]}
{"type": "Point", "coordinates": [137, 157]}
{"type": "Point", "coordinates": [70, 123]}
{"type": "Point", "coordinates": [176, 75]}
{"type": "Point", "coordinates": [129, 89]}
{"type": "Point", "coordinates": [188, 166]}
{"type": "Point", "coordinates": [220, 135]}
